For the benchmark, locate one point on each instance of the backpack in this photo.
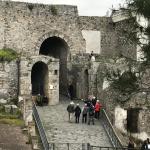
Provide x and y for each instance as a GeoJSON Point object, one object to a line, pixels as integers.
{"type": "Point", "coordinates": [91, 111]}
{"type": "Point", "coordinates": [70, 108]}
{"type": "Point", "coordinates": [85, 110]}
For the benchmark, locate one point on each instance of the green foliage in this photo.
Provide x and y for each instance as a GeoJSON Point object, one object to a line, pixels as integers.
{"type": "Point", "coordinates": [17, 122]}
{"type": "Point", "coordinates": [53, 10]}
{"type": "Point", "coordinates": [30, 6]}
{"type": "Point", "coordinates": [141, 7]}
{"type": "Point", "coordinates": [7, 54]}
{"type": "Point", "coordinates": [126, 83]}
{"type": "Point", "coordinates": [6, 118]}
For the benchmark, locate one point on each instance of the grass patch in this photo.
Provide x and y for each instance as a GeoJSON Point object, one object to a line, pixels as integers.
{"type": "Point", "coordinates": [17, 122]}
{"type": "Point", "coordinates": [7, 54]}
{"type": "Point", "coordinates": [10, 119]}
{"type": "Point", "coordinates": [8, 116]}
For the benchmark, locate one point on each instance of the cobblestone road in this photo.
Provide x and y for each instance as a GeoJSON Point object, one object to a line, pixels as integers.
{"type": "Point", "coordinates": [59, 130]}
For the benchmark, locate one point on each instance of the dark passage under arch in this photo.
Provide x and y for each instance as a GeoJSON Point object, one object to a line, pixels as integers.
{"type": "Point", "coordinates": [57, 48]}
{"type": "Point", "coordinates": [39, 79]}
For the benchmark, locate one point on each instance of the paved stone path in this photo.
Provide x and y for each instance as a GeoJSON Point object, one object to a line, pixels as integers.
{"type": "Point", "coordinates": [59, 130]}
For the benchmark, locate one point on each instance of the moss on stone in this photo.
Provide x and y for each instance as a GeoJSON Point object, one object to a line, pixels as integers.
{"type": "Point", "coordinates": [7, 54]}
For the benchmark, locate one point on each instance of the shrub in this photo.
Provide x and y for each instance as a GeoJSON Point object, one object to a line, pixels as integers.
{"type": "Point", "coordinates": [53, 10]}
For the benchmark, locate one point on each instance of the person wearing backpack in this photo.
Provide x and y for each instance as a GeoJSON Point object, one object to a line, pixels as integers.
{"type": "Point", "coordinates": [91, 115]}
{"type": "Point", "coordinates": [84, 113]}
{"type": "Point", "coordinates": [77, 113]}
{"type": "Point", "coordinates": [70, 109]}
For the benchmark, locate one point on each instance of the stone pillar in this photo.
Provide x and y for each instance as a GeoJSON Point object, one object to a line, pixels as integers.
{"type": "Point", "coordinates": [53, 82]}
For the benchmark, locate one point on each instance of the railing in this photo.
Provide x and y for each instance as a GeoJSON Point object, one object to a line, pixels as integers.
{"type": "Point", "coordinates": [85, 146]}
{"type": "Point", "coordinates": [40, 128]}
{"type": "Point", "coordinates": [68, 146]}
{"type": "Point", "coordinates": [110, 148]}
{"type": "Point", "coordinates": [116, 142]}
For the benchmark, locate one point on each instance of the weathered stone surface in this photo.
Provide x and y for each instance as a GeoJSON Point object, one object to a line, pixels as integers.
{"type": "Point", "coordinates": [2, 101]}
{"type": "Point", "coordinates": [24, 28]}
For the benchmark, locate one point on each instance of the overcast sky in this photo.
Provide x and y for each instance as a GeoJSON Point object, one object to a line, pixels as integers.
{"type": "Point", "coordinates": [85, 7]}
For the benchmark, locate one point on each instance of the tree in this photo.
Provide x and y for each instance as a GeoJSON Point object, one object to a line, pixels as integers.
{"type": "Point", "coordinates": [135, 79]}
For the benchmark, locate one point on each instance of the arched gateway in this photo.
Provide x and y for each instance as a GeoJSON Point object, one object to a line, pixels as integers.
{"type": "Point", "coordinates": [56, 47]}
{"type": "Point", "coordinates": [46, 72]}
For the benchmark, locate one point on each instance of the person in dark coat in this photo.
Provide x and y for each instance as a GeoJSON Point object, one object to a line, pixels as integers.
{"type": "Point", "coordinates": [84, 113]}
{"type": "Point", "coordinates": [130, 144]}
{"type": "Point", "coordinates": [148, 144]}
{"type": "Point", "coordinates": [143, 147]}
{"type": "Point", "coordinates": [94, 101]}
{"type": "Point", "coordinates": [70, 109]}
{"type": "Point", "coordinates": [77, 113]}
{"type": "Point", "coordinates": [91, 114]}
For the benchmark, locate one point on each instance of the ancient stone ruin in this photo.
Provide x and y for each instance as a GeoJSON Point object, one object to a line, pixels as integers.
{"type": "Point", "coordinates": [53, 44]}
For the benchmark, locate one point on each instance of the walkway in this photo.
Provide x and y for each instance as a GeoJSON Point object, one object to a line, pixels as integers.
{"type": "Point", "coordinates": [59, 130]}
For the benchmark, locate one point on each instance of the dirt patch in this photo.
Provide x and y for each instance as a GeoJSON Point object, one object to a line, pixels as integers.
{"type": "Point", "coordinates": [12, 138]}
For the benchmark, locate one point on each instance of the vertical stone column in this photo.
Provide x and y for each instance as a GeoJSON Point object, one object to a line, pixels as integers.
{"type": "Point", "coordinates": [93, 78]}
{"type": "Point", "coordinates": [25, 77]}
{"type": "Point", "coordinates": [53, 83]}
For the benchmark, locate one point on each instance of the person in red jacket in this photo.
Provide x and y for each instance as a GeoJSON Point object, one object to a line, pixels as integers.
{"type": "Point", "coordinates": [97, 109]}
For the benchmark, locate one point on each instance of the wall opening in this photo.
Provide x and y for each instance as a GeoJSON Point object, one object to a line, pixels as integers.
{"type": "Point", "coordinates": [39, 79]}
{"type": "Point", "coordinates": [57, 48]}
{"type": "Point", "coordinates": [132, 120]}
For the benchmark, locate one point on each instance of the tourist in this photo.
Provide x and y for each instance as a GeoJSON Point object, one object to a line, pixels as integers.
{"type": "Point", "coordinates": [77, 113]}
{"type": "Point", "coordinates": [70, 109]}
{"type": "Point", "coordinates": [93, 58]}
{"type": "Point", "coordinates": [39, 100]}
{"type": "Point", "coordinates": [94, 100]}
{"type": "Point", "coordinates": [92, 54]}
{"type": "Point", "coordinates": [147, 144]}
{"type": "Point", "coordinates": [91, 114]}
{"type": "Point", "coordinates": [45, 100]}
{"type": "Point", "coordinates": [130, 144]}
{"type": "Point", "coordinates": [88, 101]}
{"type": "Point", "coordinates": [97, 109]}
{"type": "Point", "coordinates": [84, 113]}
{"type": "Point", "coordinates": [144, 145]}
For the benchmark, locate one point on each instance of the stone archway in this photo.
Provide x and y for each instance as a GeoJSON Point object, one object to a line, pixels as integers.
{"type": "Point", "coordinates": [39, 79]}
{"type": "Point", "coordinates": [57, 47]}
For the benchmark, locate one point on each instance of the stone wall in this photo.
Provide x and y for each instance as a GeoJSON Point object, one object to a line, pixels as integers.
{"type": "Point", "coordinates": [8, 79]}
{"type": "Point", "coordinates": [125, 37]}
{"type": "Point", "coordinates": [108, 35]}
{"type": "Point", "coordinates": [52, 81]}
{"type": "Point", "coordinates": [24, 26]}
{"type": "Point", "coordinates": [115, 105]}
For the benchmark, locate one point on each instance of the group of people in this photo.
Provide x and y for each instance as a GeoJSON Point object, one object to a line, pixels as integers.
{"type": "Point", "coordinates": [145, 144]}
{"type": "Point", "coordinates": [41, 100]}
{"type": "Point", "coordinates": [89, 111]}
